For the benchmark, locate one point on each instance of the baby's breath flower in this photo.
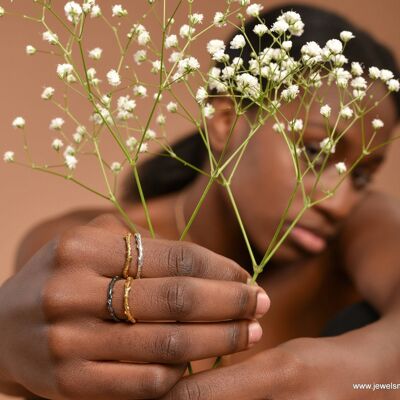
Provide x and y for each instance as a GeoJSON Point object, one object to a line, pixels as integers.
{"type": "Point", "coordinates": [356, 69]}
{"type": "Point", "coordinates": [87, 5]}
{"type": "Point", "coordinates": [386, 75]}
{"type": "Point", "coordinates": [56, 124]}
{"type": "Point", "coordinates": [214, 82]}
{"type": "Point", "coordinates": [393, 85]}
{"type": "Point", "coordinates": [125, 107]}
{"type": "Point", "coordinates": [140, 91]}
{"type": "Point", "coordinates": [116, 167]}
{"type": "Point", "coordinates": [186, 31]}
{"type": "Point", "coordinates": [339, 60]}
{"type": "Point", "coordinates": [248, 85]}
{"type": "Point", "coordinates": [279, 127]}
{"type": "Point", "coordinates": [296, 125]}
{"type": "Point", "coordinates": [188, 65]}
{"type": "Point", "coordinates": [8, 157]}
{"type": "Point", "coordinates": [359, 94]}
{"type": "Point", "coordinates": [228, 72]}
{"type": "Point", "coordinates": [106, 100]}
{"type": "Point", "coordinates": [243, 3]}
{"type": "Point", "coordinates": [131, 143]}
{"type": "Point", "coordinates": [156, 66]}
{"type": "Point", "coordinates": [215, 45]}
{"type": "Point", "coordinates": [359, 83]}
{"type": "Point", "coordinates": [172, 107]}
{"type": "Point", "coordinates": [326, 111]}
{"type": "Point", "coordinates": [374, 73]}
{"type": "Point", "coordinates": [260, 29]}
{"type": "Point", "coordinates": [140, 56]}
{"type": "Point", "coordinates": [77, 137]}
{"type": "Point", "coordinates": [208, 110]}
{"type": "Point", "coordinates": [346, 113]}
{"type": "Point", "coordinates": [144, 147]}
{"type": "Point", "coordinates": [57, 144]}
{"type": "Point", "coordinates": [201, 95]}
{"type": "Point", "coordinates": [69, 151]}
{"type": "Point", "coordinates": [96, 11]}
{"type": "Point", "coordinates": [143, 38]}
{"type": "Point", "coordinates": [345, 36]}
{"type": "Point", "coordinates": [327, 145]}
{"type": "Point", "coordinates": [280, 26]}
{"type": "Point", "coordinates": [196, 18]}
{"type": "Point", "coordinates": [334, 46]}
{"type": "Point", "coordinates": [377, 123]}
{"type": "Point", "coordinates": [238, 42]}
{"type": "Point", "coordinates": [253, 10]}
{"type": "Point", "coordinates": [341, 167]}
{"type": "Point", "coordinates": [50, 37]}
{"type": "Point", "coordinates": [157, 96]}
{"type": "Point", "coordinates": [30, 50]}
{"type": "Point", "coordinates": [150, 134]}
{"type": "Point", "coordinates": [73, 12]}
{"type": "Point", "coordinates": [2, 11]}
{"type": "Point", "coordinates": [71, 162]}
{"type": "Point", "coordinates": [290, 93]}
{"type": "Point", "coordinates": [171, 41]}
{"type": "Point", "coordinates": [19, 123]}
{"type": "Point", "coordinates": [64, 69]}
{"type": "Point", "coordinates": [342, 77]}
{"type": "Point", "coordinates": [113, 78]}
{"type": "Point", "coordinates": [175, 57]}
{"type": "Point", "coordinates": [287, 45]}
{"type": "Point", "coordinates": [118, 11]}
{"type": "Point", "coordinates": [161, 120]}
{"type": "Point", "coordinates": [95, 53]}
{"type": "Point", "coordinates": [48, 93]}
{"type": "Point", "coordinates": [219, 19]}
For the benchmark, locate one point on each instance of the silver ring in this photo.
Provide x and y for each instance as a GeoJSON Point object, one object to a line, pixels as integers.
{"type": "Point", "coordinates": [110, 293]}
{"type": "Point", "coordinates": [139, 247]}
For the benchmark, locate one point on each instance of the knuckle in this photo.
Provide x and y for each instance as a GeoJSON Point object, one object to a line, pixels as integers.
{"type": "Point", "coordinates": [233, 337]}
{"type": "Point", "coordinates": [181, 260]}
{"type": "Point", "coordinates": [155, 383]}
{"type": "Point", "coordinates": [66, 383]}
{"type": "Point", "coordinates": [59, 343]}
{"type": "Point", "coordinates": [242, 300]}
{"type": "Point", "coordinates": [172, 347]}
{"type": "Point", "coordinates": [192, 390]}
{"type": "Point", "coordinates": [178, 299]}
{"type": "Point", "coordinates": [69, 246]}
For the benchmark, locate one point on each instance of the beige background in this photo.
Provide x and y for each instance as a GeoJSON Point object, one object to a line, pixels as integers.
{"type": "Point", "coordinates": [28, 197]}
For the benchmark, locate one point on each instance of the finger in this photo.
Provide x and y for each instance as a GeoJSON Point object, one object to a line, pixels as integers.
{"type": "Point", "coordinates": [109, 222]}
{"type": "Point", "coordinates": [167, 343]}
{"type": "Point", "coordinates": [187, 299]}
{"type": "Point", "coordinates": [105, 252]}
{"type": "Point", "coordinates": [119, 381]}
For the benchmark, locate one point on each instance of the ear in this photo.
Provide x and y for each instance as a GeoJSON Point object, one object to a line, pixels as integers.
{"type": "Point", "coordinates": [220, 126]}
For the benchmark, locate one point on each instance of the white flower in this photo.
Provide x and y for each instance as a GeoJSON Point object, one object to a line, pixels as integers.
{"type": "Point", "coordinates": [30, 50]}
{"type": "Point", "coordinates": [215, 45]}
{"type": "Point", "coordinates": [161, 120]}
{"type": "Point", "coordinates": [50, 37]}
{"type": "Point", "coordinates": [156, 66]}
{"type": "Point", "coordinates": [279, 127]}
{"type": "Point", "coordinates": [56, 124]}
{"type": "Point", "coordinates": [2, 11]}
{"type": "Point", "coordinates": [386, 75]}
{"type": "Point", "coordinates": [47, 93]}
{"type": "Point", "coordinates": [214, 82]}
{"type": "Point", "coordinates": [243, 3]}
{"type": "Point", "coordinates": [238, 42]}
{"type": "Point", "coordinates": [359, 94]}
{"type": "Point", "coordinates": [171, 41]}
{"type": "Point", "coordinates": [327, 145]}
{"type": "Point", "coordinates": [290, 93]}
{"type": "Point", "coordinates": [69, 151]}
{"type": "Point", "coordinates": [73, 11]}
{"type": "Point", "coordinates": [356, 69]}
{"type": "Point", "coordinates": [143, 148]}
{"type": "Point", "coordinates": [77, 137]}
{"type": "Point", "coordinates": [19, 123]}
{"type": "Point", "coordinates": [95, 53]}
{"type": "Point", "coordinates": [326, 111]}
{"type": "Point", "coordinates": [188, 65]}
{"type": "Point", "coordinates": [106, 100]}
{"type": "Point", "coordinates": [377, 123]}
{"type": "Point", "coordinates": [8, 157]}
{"type": "Point", "coordinates": [260, 29]}
{"type": "Point", "coordinates": [186, 31]}
{"type": "Point", "coordinates": [126, 103]}
{"type": "Point", "coordinates": [287, 45]}
{"type": "Point", "coordinates": [140, 90]}
{"type": "Point", "coordinates": [81, 130]}
{"type": "Point", "coordinates": [175, 57]}
{"type": "Point", "coordinates": [150, 134]}
{"type": "Point", "coordinates": [228, 72]}
{"type": "Point", "coordinates": [335, 46]}
{"type": "Point", "coordinates": [342, 77]}
{"type": "Point", "coordinates": [57, 144]}
{"type": "Point", "coordinates": [346, 113]}
{"type": "Point", "coordinates": [140, 56]}
{"type": "Point", "coordinates": [248, 85]}
{"type": "Point", "coordinates": [196, 18]}
{"type": "Point", "coordinates": [172, 107]}
{"type": "Point", "coordinates": [393, 85]}
{"type": "Point", "coordinates": [296, 125]}
{"type": "Point", "coordinates": [209, 111]}
{"type": "Point", "coordinates": [113, 78]}
{"type": "Point", "coordinates": [345, 36]}
{"type": "Point", "coordinates": [143, 38]}
{"type": "Point", "coordinates": [254, 10]}
{"type": "Point", "coordinates": [71, 161]}
{"type": "Point", "coordinates": [341, 168]}
{"type": "Point", "coordinates": [311, 52]}
{"type": "Point", "coordinates": [63, 70]}
{"type": "Point", "coordinates": [359, 83]}
{"type": "Point", "coordinates": [280, 26]}
{"type": "Point", "coordinates": [118, 11]}
{"type": "Point", "coordinates": [219, 19]}
{"type": "Point", "coordinates": [87, 5]}
{"type": "Point", "coordinates": [201, 95]}
{"type": "Point", "coordinates": [116, 167]}
{"type": "Point", "coordinates": [131, 143]}
{"type": "Point", "coordinates": [96, 11]}
{"type": "Point", "coordinates": [374, 73]}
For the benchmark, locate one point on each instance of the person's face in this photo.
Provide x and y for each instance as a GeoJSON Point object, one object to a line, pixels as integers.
{"type": "Point", "coordinates": [265, 179]}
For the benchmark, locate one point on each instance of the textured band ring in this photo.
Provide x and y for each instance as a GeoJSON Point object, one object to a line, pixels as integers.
{"type": "Point", "coordinates": [128, 255]}
{"type": "Point", "coordinates": [127, 310]}
{"type": "Point", "coordinates": [110, 293]}
{"type": "Point", "coordinates": [139, 247]}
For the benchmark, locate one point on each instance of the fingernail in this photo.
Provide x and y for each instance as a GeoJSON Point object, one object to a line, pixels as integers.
{"type": "Point", "coordinates": [263, 303]}
{"type": "Point", "coordinates": [255, 332]}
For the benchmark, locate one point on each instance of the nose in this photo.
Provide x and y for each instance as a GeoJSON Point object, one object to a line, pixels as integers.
{"type": "Point", "coordinates": [338, 206]}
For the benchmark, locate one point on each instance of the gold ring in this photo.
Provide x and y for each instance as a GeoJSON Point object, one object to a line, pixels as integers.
{"type": "Point", "coordinates": [127, 310]}
{"type": "Point", "coordinates": [128, 255]}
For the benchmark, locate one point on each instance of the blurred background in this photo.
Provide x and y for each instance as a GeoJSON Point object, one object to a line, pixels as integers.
{"type": "Point", "coordinates": [28, 197]}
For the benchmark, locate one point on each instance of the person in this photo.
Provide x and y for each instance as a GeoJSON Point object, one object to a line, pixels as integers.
{"type": "Point", "coordinates": [334, 284]}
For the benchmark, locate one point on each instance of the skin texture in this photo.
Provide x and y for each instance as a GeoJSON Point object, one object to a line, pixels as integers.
{"type": "Point", "coordinates": [57, 297]}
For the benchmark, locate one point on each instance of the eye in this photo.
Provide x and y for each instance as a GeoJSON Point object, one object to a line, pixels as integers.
{"type": "Point", "coordinates": [312, 150]}
{"type": "Point", "coordinates": [361, 178]}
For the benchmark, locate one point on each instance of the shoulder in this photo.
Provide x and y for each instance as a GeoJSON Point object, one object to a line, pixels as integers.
{"type": "Point", "coordinates": [40, 234]}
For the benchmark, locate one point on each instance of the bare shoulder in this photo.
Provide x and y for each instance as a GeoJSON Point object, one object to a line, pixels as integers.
{"type": "Point", "coordinates": [48, 229]}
